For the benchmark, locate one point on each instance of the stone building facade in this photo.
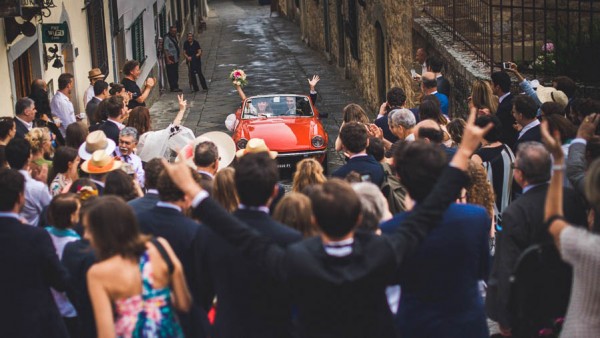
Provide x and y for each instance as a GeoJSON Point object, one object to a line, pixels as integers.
{"type": "Point", "coordinates": [370, 41]}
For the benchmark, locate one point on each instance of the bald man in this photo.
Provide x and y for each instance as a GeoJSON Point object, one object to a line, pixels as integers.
{"type": "Point", "coordinates": [429, 87]}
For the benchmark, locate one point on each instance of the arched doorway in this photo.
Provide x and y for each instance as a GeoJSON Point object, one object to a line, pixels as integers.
{"type": "Point", "coordinates": [381, 62]}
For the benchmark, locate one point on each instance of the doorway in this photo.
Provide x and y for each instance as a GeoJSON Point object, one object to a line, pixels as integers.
{"type": "Point", "coordinates": [23, 74]}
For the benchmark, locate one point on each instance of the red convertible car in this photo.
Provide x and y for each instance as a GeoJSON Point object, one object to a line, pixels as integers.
{"type": "Point", "coordinates": [289, 124]}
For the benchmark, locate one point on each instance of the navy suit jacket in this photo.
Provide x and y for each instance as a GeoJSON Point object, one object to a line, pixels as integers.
{"type": "Point", "coordinates": [111, 130]}
{"type": "Point", "coordinates": [144, 203]}
{"type": "Point", "coordinates": [364, 165]}
{"type": "Point", "coordinates": [180, 231]}
{"type": "Point", "coordinates": [383, 123]}
{"type": "Point", "coordinates": [21, 129]}
{"type": "Point", "coordinates": [335, 296]}
{"type": "Point", "coordinates": [504, 114]}
{"type": "Point", "coordinates": [250, 302]}
{"type": "Point", "coordinates": [29, 266]}
{"type": "Point", "coordinates": [440, 295]}
{"type": "Point", "coordinates": [533, 134]}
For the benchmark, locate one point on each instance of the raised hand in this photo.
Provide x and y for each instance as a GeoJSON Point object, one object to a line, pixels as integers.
{"type": "Point", "coordinates": [552, 142]}
{"type": "Point", "coordinates": [150, 82]}
{"type": "Point", "coordinates": [313, 82]}
{"type": "Point", "coordinates": [588, 126]}
{"type": "Point", "coordinates": [182, 102]}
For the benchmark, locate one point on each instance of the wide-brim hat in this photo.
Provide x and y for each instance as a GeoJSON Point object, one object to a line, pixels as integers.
{"type": "Point", "coordinates": [551, 94]}
{"type": "Point", "coordinates": [224, 143]}
{"type": "Point", "coordinates": [95, 73]}
{"type": "Point", "coordinates": [96, 140]}
{"type": "Point", "coordinates": [100, 163]}
{"type": "Point", "coordinates": [256, 145]}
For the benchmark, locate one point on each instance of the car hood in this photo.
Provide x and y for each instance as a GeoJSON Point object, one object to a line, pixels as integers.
{"type": "Point", "coordinates": [284, 134]}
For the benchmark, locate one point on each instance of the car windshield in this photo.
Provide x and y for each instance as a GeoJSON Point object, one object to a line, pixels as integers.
{"type": "Point", "coordinates": [284, 105]}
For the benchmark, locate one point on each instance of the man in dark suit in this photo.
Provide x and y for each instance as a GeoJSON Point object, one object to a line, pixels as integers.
{"type": "Point", "coordinates": [24, 116]}
{"type": "Point", "coordinates": [523, 225]}
{"type": "Point", "coordinates": [116, 114]}
{"type": "Point", "coordinates": [206, 160]}
{"type": "Point", "coordinates": [501, 88]}
{"type": "Point", "coordinates": [100, 93]}
{"type": "Point", "coordinates": [435, 65]}
{"type": "Point", "coordinates": [431, 132]}
{"type": "Point", "coordinates": [250, 303]}
{"type": "Point", "coordinates": [440, 295]}
{"type": "Point", "coordinates": [153, 169]}
{"type": "Point", "coordinates": [395, 99]}
{"type": "Point", "coordinates": [355, 141]}
{"type": "Point", "coordinates": [336, 277]}
{"type": "Point", "coordinates": [30, 267]}
{"type": "Point", "coordinates": [525, 114]}
{"type": "Point", "coordinates": [166, 220]}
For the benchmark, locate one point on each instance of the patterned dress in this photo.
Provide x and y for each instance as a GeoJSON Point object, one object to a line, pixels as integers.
{"type": "Point", "coordinates": [150, 314]}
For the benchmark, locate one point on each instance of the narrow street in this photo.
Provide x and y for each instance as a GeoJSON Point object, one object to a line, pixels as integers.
{"type": "Point", "coordinates": [240, 34]}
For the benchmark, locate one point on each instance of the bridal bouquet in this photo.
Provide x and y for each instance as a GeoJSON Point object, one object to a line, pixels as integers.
{"type": "Point", "coordinates": [238, 77]}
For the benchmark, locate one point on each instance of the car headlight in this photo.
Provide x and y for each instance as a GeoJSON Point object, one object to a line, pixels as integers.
{"type": "Point", "coordinates": [317, 141]}
{"type": "Point", "coordinates": [241, 144]}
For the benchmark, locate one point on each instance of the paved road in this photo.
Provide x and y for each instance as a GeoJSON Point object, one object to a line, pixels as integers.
{"type": "Point", "coordinates": [240, 34]}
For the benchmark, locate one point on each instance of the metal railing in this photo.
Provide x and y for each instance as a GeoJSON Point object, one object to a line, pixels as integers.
{"type": "Point", "coordinates": [543, 36]}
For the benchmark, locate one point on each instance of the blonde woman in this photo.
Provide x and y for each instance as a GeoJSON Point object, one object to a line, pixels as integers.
{"type": "Point", "coordinates": [483, 98]}
{"type": "Point", "coordinates": [308, 172]}
{"type": "Point", "coordinates": [41, 153]}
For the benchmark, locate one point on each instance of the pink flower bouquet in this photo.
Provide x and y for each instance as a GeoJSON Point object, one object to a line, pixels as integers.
{"type": "Point", "coordinates": [238, 78]}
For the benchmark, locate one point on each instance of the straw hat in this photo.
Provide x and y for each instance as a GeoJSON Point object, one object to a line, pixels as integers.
{"type": "Point", "coordinates": [224, 143]}
{"type": "Point", "coordinates": [100, 163]}
{"type": "Point", "coordinates": [96, 140]}
{"type": "Point", "coordinates": [551, 94]}
{"type": "Point", "coordinates": [255, 145]}
{"type": "Point", "coordinates": [95, 73]}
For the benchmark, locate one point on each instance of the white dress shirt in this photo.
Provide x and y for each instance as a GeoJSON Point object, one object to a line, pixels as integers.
{"type": "Point", "coordinates": [89, 93]}
{"type": "Point", "coordinates": [62, 108]}
{"type": "Point", "coordinates": [37, 197]}
{"type": "Point", "coordinates": [136, 163]}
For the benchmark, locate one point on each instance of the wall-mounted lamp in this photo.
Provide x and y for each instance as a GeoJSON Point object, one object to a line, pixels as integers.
{"type": "Point", "coordinates": [54, 56]}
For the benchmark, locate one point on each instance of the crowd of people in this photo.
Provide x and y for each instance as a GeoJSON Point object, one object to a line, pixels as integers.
{"type": "Point", "coordinates": [435, 226]}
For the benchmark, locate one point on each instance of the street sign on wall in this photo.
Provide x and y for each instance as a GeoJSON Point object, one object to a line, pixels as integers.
{"type": "Point", "coordinates": [55, 33]}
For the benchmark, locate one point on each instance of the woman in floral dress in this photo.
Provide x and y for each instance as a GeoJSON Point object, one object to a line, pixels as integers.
{"type": "Point", "coordinates": [140, 278]}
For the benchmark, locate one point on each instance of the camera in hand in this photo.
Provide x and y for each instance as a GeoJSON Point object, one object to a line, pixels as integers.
{"type": "Point", "coordinates": [505, 65]}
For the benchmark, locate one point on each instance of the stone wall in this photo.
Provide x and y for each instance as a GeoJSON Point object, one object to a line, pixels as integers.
{"type": "Point", "coordinates": [395, 19]}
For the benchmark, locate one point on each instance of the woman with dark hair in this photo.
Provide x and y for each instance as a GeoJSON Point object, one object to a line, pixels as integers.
{"type": "Point", "coordinates": [3, 162]}
{"type": "Point", "coordinates": [455, 129]}
{"type": "Point", "coordinates": [429, 109]}
{"type": "Point", "coordinates": [63, 215]}
{"type": "Point", "coordinates": [8, 130]}
{"type": "Point", "coordinates": [76, 134]}
{"type": "Point", "coordinates": [139, 118]}
{"type": "Point", "coordinates": [566, 128]}
{"type": "Point", "coordinates": [123, 185]}
{"type": "Point", "coordinates": [64, 169]}
{"type": "Point", "coordinates": [351, 113]}
{"type": "Point", "coordinates": [223, 189]}
{"type": "Point", "coordinates": [497, 158]}
{"type": "Point", "coordinates": [138, 282]}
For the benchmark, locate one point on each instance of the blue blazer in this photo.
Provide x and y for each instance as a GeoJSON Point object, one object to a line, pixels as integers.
{"type": "Point", "coordinates": [364, 165]}
{"type": "Point", "coordinates": [29, 266]}
{"type": "Point", "coordinates": [444, 105]}
{"type": "Point", "coordinates": [440, 295]}
{"type": "Point", "coordinates": [180, 231]}
{"type": "Point", "coordinates": [144, 203]}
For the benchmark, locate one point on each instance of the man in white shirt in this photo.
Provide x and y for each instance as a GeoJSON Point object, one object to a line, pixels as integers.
{"type": "Point", "coordinates": [525, 113]}
{"type": "Point", "coordinates": [61, 105]}
{"type": "Point", "coordinates": [37, 196]}
{"type": "Point", "coordinates": [128, 139]}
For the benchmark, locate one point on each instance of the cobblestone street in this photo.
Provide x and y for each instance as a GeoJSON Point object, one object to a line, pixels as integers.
{"type": "Point", "coordinates": [240, 34]}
